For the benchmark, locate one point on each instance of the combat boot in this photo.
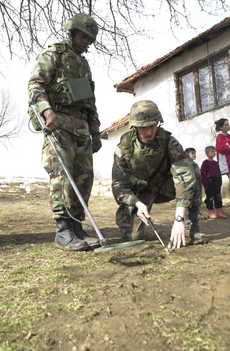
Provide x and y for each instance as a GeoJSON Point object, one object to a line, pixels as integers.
{"type": "Point", "coordinates": [195, 235]}
{"type": "Point", "coordinates": [81, 234]}
{"type": "Point", "coordinates": [201, 216]}
{"type": "Point", "coordinates": [198, 237]}
{"type": "Point", "coordinates": [65, 239]}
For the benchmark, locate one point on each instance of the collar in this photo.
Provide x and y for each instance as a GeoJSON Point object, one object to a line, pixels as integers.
{"type": "Point", "coordinates": [70, 43]}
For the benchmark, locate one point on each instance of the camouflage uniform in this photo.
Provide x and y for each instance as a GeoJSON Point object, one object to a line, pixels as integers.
{"type": "Point", "coordinates": [193, 211]}
{"type": "Point", "coordinates": [199, 180]}
{"type": "Point", "coordinates": [79, 120]}
{"type": "Point", "coordinates": [132, 181]}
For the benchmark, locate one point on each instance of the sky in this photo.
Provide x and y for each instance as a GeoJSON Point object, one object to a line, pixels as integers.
{"type": "Point", "coordinates": [22, 158]}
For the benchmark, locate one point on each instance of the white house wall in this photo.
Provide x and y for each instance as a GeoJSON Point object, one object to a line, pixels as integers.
{"type": "Point", "coordinates": [103, 160]}
{"type": "Point", "coordinates": [159, 87]}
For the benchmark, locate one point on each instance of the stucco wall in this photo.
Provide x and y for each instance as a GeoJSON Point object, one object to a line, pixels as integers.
{"type": "Point", "coordinates": [102, 188]}
{"type": "Point", "coordinates": [103, 160]}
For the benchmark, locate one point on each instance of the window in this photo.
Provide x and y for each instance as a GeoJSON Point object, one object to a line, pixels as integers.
{"type": "Point", "coordinates": [205, 86]}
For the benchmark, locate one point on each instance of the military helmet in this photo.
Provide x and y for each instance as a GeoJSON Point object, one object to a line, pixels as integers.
{"type": "Point", "coordinates": [84, 23]}
{"type": "Point", "coordinates": [144, 113]}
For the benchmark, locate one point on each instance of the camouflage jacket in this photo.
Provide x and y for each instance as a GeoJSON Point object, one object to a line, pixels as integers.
{"type": "Point", "coordinates": [197, 170]}
{"type": "Point", "coordinates": [198, 189]}
{"type": "Point", "coordinates": [57, 62]}
{"type": "Point", "coordinates": [134, 164]}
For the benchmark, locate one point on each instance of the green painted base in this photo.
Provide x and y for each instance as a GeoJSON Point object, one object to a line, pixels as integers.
{"type": "Point", "coordinates": [119, 246]}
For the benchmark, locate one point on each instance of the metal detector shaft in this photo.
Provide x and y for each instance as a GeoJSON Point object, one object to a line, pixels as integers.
{"type": "Point", "coordinates": [153, 228]}
{"type": "Point", "coordinates": [47, 132]}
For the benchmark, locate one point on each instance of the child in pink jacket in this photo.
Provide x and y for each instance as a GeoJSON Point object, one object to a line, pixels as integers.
{"type": "Point", "coordinates": [223, 146]}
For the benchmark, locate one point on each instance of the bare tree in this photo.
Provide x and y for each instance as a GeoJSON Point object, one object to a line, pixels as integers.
{"type": "Point", "coordinates": [31, 23]}
{"type": "Point", "coordinates": [10, 121]}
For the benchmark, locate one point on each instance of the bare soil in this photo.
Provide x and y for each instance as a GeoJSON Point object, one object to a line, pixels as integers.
{"type": "Point", "coordinates": [139, 298]}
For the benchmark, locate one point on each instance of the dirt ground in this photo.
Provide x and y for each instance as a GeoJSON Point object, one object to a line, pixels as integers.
{"type": "Point", "coordinates": [139, 298]}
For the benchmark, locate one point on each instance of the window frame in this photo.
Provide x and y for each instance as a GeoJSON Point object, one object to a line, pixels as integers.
{"type": "Point", "coordinates": [195, 70]}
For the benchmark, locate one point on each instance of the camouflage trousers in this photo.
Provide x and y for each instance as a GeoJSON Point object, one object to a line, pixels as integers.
{"type": "Point", "coordinates": [131, 227]}
{"type": "Point", "coordinates": [76, 152]}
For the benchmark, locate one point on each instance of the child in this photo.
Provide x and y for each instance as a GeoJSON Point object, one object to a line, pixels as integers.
{"type": "Point", "coordinates": [192, 154]}
{"type": "Point", "coordinates": [212, 181]}
{"type": "Point", "coordinates": [193, 212]}
{"type": "Point", "coordinates": [223, 146]}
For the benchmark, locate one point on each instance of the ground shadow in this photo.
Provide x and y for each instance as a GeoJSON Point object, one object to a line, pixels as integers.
{"type": "Point", "coordinates": [22, 239]}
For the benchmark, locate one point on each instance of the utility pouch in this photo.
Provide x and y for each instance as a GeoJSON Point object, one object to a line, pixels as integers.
{"type": "Point", "coordinates": [77, 89]}
{"type": "Point", "coordinates": [36, 119]}
{"type": "Point", "coordinates": [35, 123]}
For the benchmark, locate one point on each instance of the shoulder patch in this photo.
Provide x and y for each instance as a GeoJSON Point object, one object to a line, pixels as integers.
{"type": "Point", "coordinates": [118, 151]}
{"type": "Point", "coordinates": [59, 47]}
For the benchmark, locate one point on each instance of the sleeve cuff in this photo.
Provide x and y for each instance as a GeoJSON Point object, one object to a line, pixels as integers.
{"type": "Point", "coordinates": [182, 202]}
{"type": "Point", "coordinates": [131, 200]}
{"type": "Point", "coordinates": [42, 106]}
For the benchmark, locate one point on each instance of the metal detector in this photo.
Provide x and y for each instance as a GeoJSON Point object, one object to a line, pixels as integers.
{"type": "Point", "coordinates": [105, 244]}
{"type": "Point", "coordinates": [158, 236]}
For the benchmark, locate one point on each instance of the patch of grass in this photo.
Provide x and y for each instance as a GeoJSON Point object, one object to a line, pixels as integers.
{"type": "Point", "coordinates": [24, 282]}
{"type": "Point", "coordinates": [191, 336]}
{"type": "Point", "coordinates": [81, 291]}
{"type": "Point", "coordinates": [28, 343]}
{"type": "Point", "coordinates": [55, 277]}
{"type": "Point", "coordinates": [163, 276]}
{"type": "Point", "coordinates": [19, 273]}
{"type": "Point", "coordinates": [17, 315]}
{"type": "Point", "coordinates": [99, 281]}
{"type": "Point", "coordinates": [48, 290]}
{"type": "Point", "coordinates": [70, 306]}
{"type": "Point", "coordinates": [44, 230]}
{"type": "Point", "coordinates": [12, 244]}
{"type": "Point", "coordinates": [156, 319]}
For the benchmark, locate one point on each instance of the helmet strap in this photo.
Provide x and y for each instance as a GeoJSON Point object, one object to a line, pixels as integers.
{"type": "Point", "coordinates": [73, 33]}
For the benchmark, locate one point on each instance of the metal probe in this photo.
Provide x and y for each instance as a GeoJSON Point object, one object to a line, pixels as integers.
{"type": "Point", "coordinates": [153, 228]}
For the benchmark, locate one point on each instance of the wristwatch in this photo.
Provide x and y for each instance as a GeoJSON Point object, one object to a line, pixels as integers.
{"type": "Point", "coordinates": [179, 218]}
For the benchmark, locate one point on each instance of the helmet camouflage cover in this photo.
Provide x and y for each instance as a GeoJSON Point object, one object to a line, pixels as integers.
{"type": "Point", "coordinates": [144, 113]}
{"type": "Point", "coordinates": [84, 23]}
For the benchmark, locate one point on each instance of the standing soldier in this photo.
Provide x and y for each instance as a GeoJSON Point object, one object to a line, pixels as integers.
{"type": "Point", "coordinates": [150, 167]}
{"type": "Point", "coordinates": [62, 91]}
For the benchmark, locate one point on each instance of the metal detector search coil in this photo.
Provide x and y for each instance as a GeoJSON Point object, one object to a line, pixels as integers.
{"type": "Point", "coordinates": [119, 246]}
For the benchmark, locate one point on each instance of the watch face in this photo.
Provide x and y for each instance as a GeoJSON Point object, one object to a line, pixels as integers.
{"type": "Point", "coordinates": [179, 218]}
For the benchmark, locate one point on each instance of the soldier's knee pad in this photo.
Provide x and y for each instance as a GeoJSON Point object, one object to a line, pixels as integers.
{"type": "Point", "coordinates": [133, 236]}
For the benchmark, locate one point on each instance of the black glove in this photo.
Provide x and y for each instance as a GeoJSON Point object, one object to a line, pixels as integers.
{"type": "Point", "coordinates": [96, 142]}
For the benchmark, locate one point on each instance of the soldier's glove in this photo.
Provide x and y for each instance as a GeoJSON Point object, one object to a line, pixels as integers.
{"type": "Point", "coordinates": [96, 142]}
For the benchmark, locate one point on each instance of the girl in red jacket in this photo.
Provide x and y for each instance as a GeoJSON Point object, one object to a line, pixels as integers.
{"type": "Point", "coordinates": [223, 146]}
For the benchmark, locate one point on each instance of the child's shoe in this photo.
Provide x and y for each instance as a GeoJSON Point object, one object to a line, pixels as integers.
{"type": "Point", "coordinates": [212, 215]}
{"type": "Point", "coordinates": [219, 213]}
